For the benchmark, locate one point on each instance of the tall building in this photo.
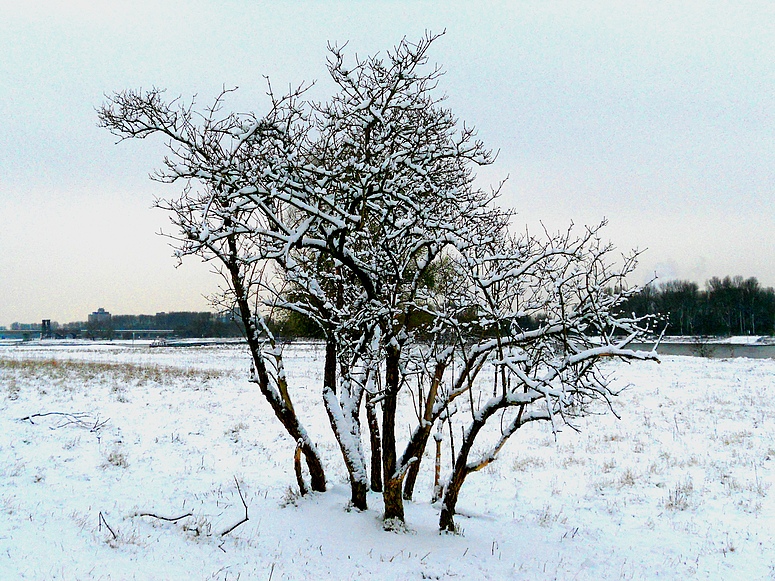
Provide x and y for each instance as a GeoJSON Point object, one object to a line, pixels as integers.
{"type": "Point", "coordinates": [99, 317]}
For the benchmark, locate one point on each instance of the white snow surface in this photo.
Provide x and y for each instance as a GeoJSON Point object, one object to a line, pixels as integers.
{"type": "Point", "coordinates": [679, 488]}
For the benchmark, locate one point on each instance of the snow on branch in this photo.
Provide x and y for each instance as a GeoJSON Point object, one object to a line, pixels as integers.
{"type": "Point", "coordinates": [361, 214]}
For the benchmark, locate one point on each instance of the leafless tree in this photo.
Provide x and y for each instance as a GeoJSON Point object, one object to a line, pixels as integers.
{"type": "Point", "coordinates": [361, 213]}
{"type": "Point", "coordinates": [545, 318]}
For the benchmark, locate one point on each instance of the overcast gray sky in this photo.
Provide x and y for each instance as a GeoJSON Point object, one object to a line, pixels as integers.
{"type": "Point", "coordinates": [659, 116]}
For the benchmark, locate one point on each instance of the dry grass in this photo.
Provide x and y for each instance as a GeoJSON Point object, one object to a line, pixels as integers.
{"type": "Point", "coordinates": [117, 458]}
{"type": "Point", "coordinates": [65, 374]}
{"type": "Point", "coordinates": [678, 498]}
{"type": "Point", "coordinates": [234, 433]}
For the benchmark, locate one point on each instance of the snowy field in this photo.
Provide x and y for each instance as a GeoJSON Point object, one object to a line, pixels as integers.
{"type": "Point", "coordinates": [680, 488]}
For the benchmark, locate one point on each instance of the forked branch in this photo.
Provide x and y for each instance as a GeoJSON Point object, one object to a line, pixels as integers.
{"type": "Point", "coordinates": [245, 518]}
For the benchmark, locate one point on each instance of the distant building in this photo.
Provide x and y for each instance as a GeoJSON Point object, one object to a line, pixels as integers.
{"type": "Point", "coordinates": [25, 326]}
{"type": "Point", "coordinates": [224, 317]}
{"type": "Point", "coordinates": [100, 317]}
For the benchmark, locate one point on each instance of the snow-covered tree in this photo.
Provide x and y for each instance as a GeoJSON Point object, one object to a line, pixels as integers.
{"type": "Point", "coordinates": [361, 213]}
{"type": "Point", "coordinates": [543, 321]}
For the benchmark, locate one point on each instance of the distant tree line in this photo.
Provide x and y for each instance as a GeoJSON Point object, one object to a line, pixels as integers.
{"type": "Point", "coordinates": [184, 324]}
{"type": "Point", "coordinates": [728, 306]}
{"type": "Point", "coordinates": [181, 324]}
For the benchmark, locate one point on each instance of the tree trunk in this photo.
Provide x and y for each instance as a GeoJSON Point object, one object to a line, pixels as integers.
{"type": "Point", "coordinates": [329, 367]}
{"type": "Point", "coordinates": [437, 470]}
{"type": "Point", "coordinates": [416, 446]}
{"type": "Point", "coordinates": [462, 468]}
{"type": "Point", "coordinates": [282, 406]}
{"type": "Point", "coordinates": [345, 430]}
{"type": "Point", "coordinates": [459, 473]}
{"type": "Point", "coordinates": [412, 472]}
{"type": "Point", "coordinates": [376, 444]}
{"type": "Point", "coordinates": [287, 415]}
{"type": "Point", "coordinates": [299, 474]}
{"type": "Point", "coordinates": [394, 504]}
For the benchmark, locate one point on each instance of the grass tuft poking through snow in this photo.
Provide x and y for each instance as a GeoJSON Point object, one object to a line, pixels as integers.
{"type": "Point", "coordinates": [678, 497]}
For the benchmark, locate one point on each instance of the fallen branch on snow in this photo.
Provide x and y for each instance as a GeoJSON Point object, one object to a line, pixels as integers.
{"type": "Point", "coordinates": [81, 419]}
{"type": "Point", "coordinates": [101, 522]}
{"type": "Point", "coordinates": [164, 518]}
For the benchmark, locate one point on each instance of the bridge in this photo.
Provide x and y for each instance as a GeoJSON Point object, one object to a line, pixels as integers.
{"type": "Point", "coordinates": [124, 334]}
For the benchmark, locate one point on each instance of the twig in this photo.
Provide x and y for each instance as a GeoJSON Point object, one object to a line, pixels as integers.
{"type": "Point", "coordinates": [174, 519]}
{"type": "Point", "coordinates": [245, 519]}
{"type": "Point", "coordinates": [70, 417]}
{"type": "Point", "coordinates": [98, 425]}
{"type": "Point", "coordinates": [102, 521]}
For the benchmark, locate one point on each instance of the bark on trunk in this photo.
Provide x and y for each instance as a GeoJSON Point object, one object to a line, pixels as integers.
{"type": "Point", "coordinates": [282, 406]}
{"type": "Point", "coordinates": [459, 473]}
{"type": "Point", "coordinates": [394, 504]}
{"type": "Point", "coordinates": [299, 474]}
{"type": "Point", "coordinates": [376, 445]}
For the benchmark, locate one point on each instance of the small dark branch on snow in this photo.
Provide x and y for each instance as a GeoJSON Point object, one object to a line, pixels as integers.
{"type": "Point", "coordinates": [168, 519]}
{"type": "Point", "coordinates": [102, 521]}
{"type": "Point", "coordinates": [245, 519]}
{"type": "Point", "coordinates": [98, 425]}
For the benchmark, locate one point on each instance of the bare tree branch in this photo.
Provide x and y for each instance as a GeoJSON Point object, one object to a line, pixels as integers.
{"type": "Point", "coordinates": [244, 504]}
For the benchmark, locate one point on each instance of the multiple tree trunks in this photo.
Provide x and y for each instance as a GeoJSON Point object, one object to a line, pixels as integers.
{"type": "Point", "coordinates": [419, 441]}
{"type": "Point", "coordinates": [361, 214]}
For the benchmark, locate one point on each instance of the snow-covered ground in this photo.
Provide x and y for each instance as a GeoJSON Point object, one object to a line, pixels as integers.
{"type": "Point", "coordinates": [679, 488]}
